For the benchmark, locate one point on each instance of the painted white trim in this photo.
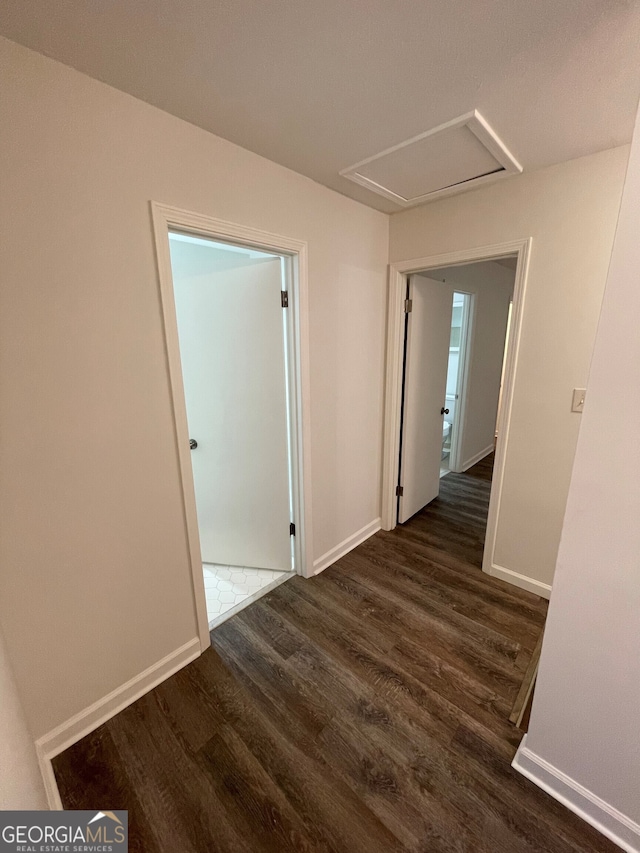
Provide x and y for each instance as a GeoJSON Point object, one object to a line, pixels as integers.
{"type": "Point", "coordinates": [483, 132]}
{"type": "Point", "coordinates": [523, 581]}
{"type": "Point", "coordinates": [605, 818]}
{"type": "Point", "coordinates": [222, 617]}
{"type": "Point", "coordinates": [504, 416]}
{"type": "Point", "coordinates": [348, 544]}
{"type": "Point", "coordinates": [84, 722]}
{"type": "Point", "coordinates": [468, 463]}
{"type": "Point", "coordinates": [165, 218]}
{"type": "Point", "coordinates": [462, 380]}
{"type": "Point", "coordinates": [393, 378]}
{"type": "Point", "coordinates": [50, 784]}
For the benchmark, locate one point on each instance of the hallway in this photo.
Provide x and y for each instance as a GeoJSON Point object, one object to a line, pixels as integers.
{"type": "Point", "coordinates": [363, 711]}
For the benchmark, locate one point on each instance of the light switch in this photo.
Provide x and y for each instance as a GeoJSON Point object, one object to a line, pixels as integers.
{"type": "Point", "coordinates": [577, 404]}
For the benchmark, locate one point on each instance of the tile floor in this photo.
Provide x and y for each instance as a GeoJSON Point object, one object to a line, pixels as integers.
{"type": "Point", "coordinates": [227, 588]}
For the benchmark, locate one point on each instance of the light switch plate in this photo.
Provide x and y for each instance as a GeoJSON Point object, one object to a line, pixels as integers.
{"type": "Point", "coordinates": [577, 404]}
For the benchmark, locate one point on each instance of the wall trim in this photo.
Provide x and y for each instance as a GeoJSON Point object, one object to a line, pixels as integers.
{"type": "Point", "coordinates": [86, 721]}
{"type": "Point", "coordinates": [50, 784]}
{"type": "Point", "coordinates": [465, 351]}
{"type": "Point", "coordinates": [348, 544]}
{"type": "Point", "coordinates": [470, 462]}
{"type": "Point", "coordinates": [523, 581]}
{"type": "Point", "coordinates": [605, 818]}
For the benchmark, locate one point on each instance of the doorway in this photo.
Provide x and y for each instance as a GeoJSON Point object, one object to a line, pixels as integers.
{"type": "Point", "coordinates": [448, 349]}
{"type": "Point", "coordinates": [234, 344]}
{"type": "Point", "coordinates": [229, 303]}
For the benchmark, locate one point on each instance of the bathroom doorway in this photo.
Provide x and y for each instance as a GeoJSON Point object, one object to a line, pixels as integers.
{"type": "Point", "coordinates": [231, 310]}
{"type": "Point", "coordinates": [232, 338]}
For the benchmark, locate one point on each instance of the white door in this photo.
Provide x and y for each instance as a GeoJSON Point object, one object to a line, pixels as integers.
{"type": "Point", "coordinates": [232, 348]}
{"type": "Point", "coordinates": [425, 382]}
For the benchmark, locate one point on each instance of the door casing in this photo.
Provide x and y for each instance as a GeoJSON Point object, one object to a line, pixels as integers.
{"type": "Point", "coordinates": [398, 273]}
{"type": "Point", "coordinates": [462, 383]}
{"type": "Point", "coordinates": [164, 219]}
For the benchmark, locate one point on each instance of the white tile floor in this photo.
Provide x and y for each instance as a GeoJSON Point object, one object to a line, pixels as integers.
{"type": "Point", "coordinates": [227, 588]}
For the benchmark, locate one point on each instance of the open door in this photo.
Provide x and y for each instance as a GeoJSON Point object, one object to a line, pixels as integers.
{"type": "Point", "coordinates": [425, 381]}
{"type": "Point", "coordinates": [232, 347]}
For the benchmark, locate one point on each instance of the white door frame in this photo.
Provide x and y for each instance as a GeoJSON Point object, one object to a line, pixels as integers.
{"type": "Point", "coordinates": [165, 218]}
{"type": "Point", "coordinates": [464, 359]}
{"type": "Point", "coordinates": [398, 273]}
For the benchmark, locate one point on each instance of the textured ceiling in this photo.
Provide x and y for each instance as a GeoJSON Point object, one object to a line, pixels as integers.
{"type": "Point", "coordinates": [317, 86]}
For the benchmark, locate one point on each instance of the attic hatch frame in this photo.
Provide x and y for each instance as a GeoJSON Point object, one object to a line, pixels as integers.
{"type": "Point", "coordinates": [479, 127]}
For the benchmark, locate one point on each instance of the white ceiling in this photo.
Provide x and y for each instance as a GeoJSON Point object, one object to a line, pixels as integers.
{"type": "Point", "coordinates": [317, 85]}
{"type": "Point", "coordinates": [214, 245]}
{"type": "Point", "coordinates": [200, 257]}
{"type": "Point", "coordinates": [449, 273]}
{"type": "Point", "coordinates": [510, 262]}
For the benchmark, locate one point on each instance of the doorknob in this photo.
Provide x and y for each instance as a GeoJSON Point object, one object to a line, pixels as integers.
{"type": "Point", "coordinates": [444, 411]}
{"type": "Point", "coordinates": [192, 444]}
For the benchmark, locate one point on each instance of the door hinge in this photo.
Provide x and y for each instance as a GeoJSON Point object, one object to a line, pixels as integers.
{"type": "Point", "coordinates": [399, 491]}
{"type": "Point", "coordinates": [284, 298]}
{"type": "Point", "coordinates": [292, 529]}
{"type": "Point", "coordinates": [408, 306]}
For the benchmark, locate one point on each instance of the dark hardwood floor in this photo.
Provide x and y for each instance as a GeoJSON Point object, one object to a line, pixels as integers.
{"type": "Point", "coordinates": [363, 711]}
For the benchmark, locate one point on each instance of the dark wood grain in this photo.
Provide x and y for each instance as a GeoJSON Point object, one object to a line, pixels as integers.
{"type": "Point", "coordinates": [363, 711]}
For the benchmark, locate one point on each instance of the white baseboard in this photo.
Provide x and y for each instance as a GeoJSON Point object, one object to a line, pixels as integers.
{"type": "Point", "coordinates": [345, 546]}
{"type": "Point", "coordinates": [470, 462]}
{"type": "Point", "coordinates": [605, 818]}
{"type": "Point", "coordinates": [76, 727]}
{"type": "Point", "coordinates": [49, 778]}
{"type": "Point", "coordinates": [523, 581]}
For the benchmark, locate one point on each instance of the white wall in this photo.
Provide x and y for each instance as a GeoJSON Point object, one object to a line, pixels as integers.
{"type": "Point", "coordinates": [492, 286]}
{"type": "Point", "coordinates": [585, 720]}
{"type": "Point", "coordinates": [20, 781]}
{"type": "Point", "coordinates": [95, 584]}
{"type": "Point", "coordinates": [570, 211]}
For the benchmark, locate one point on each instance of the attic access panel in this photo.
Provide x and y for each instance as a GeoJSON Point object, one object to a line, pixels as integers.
{"type": "Point", "coordinates": [449, 159]}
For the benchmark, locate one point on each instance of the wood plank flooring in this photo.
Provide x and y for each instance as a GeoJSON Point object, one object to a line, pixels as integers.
{"type": "Point", "coordinates": [363, 711]}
